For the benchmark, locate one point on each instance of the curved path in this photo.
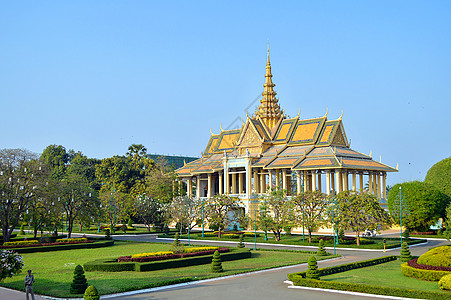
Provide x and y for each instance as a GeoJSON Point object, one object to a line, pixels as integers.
{"type": "Point", "coordinates": [268, 284]}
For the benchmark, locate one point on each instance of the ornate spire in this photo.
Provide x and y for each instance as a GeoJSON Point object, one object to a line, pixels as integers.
{"type": "Point", "coordinates": [269, 109]}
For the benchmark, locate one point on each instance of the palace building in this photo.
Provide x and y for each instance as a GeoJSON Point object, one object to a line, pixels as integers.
{"type": "Point", "coordinates": [271, 150]}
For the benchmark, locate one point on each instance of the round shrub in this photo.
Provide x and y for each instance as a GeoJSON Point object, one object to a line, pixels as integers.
{"type": "Point", "coordinates": [440, 257]}
{"type": "Point", "coordinates": [91, 293]}
{"type": "Point", "coordinates": [445, 282]}
{"type": "Point", "coordinates": [439, 175]}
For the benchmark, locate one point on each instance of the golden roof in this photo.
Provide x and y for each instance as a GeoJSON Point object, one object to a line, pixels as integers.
{"type": "Point", "coordinates": [273, 141]}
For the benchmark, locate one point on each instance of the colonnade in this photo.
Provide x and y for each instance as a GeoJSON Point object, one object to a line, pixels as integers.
{"type": "Point", "coordinates": [237, 182]}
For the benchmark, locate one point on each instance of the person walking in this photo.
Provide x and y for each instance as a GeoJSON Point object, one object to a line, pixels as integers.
{"type": "Point", "coordinates": [29, 279]}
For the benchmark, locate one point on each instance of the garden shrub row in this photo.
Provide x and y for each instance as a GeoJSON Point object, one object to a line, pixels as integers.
{"type": "Point", "coordinates": [71, 240]}
{"type": "Point", "coordinates": [346, 267]}
{"type": "Point", "coordinates": [111, 265]}
{"type": "Point", "coordinates": [63, 246]}
{"type": "Point", "coordinates": [20, 243]}
{"type": "Point", "coordinates": [170, 256]}
{"type": "Point", "coordinates": [370, 289]}
{"type": "Point", "coordinates": [423, 274]}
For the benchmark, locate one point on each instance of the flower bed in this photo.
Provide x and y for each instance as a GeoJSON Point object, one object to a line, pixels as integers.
{"type": "Point", "coordinates": [414, 264]}
{"type": "Point", "coordinates": [170, 255]}
{"type": "Point", "coordinates": [34, 243]}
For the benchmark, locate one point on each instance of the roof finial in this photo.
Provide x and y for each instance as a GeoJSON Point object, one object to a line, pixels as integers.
{"type": "Point", "coordinates": [341, 115]}
{"type": "Point", "coordinates": [327, 111]}
{"type": "Point", "coordinates": [299, 113]}
{"type": "Point", "coordinates": [268, 52]}
{"type": "Point", "coordinates": [220, 126]}
{"type": "Point", "coordinates": [211, 131]}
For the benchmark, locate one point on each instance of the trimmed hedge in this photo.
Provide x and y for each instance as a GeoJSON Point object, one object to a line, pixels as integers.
{"type": "Point", "coordinates": [170, 256]}
{"type": "Point", "coordinates": [423, 274]}
{"type": "Point", "coordinates": [414, 264]}
{"type": "Point", "coordinates": [346, 267]}
{"type": "Point", "coordinates": [64, 246]}
{"type": "Point", "coordinates": [110, 265]}
{"type": "Point", "coordinates": [20, 243]}
{"type": "Point", "coordinates": [370, 289]}
{"type": "Point", "coordinates": [439, 256]}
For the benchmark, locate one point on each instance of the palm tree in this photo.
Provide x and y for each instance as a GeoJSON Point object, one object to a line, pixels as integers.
{"type": "Point", "coordinates": [136, 150]}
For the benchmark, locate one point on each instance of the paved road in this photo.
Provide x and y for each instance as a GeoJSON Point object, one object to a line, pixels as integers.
{"type": "Point", "coordinates": [262, 285]}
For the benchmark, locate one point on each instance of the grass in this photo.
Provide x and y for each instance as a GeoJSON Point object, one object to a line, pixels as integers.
{"type": "Point", "coordinates": [386, 275]}
{"type": "Point", "coordinates": [54, 270]}
{"type": "Point", "coordinates": [298, 240]}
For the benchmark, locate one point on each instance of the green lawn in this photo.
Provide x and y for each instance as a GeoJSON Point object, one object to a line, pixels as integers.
{"type": "Point", "coordinates": [54, 270]}
{"type": "Point", "coordinates": [298, 240]}
{"type": "Point", "coordinates": [387, 274]}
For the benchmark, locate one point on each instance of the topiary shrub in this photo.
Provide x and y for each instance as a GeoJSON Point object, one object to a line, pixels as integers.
{"type": "Point", "coordinates": [216, 264]}
{"type": "Point", "coordinates": [440, 257]}
{"type": "Point", "coordinates": [312, 270]}
{"type": "Point", "coordinates": [445, 282]}
{"type": "Point", "coordinates": [405, 252]}
{"type": "Point", "coordinates": [321, 251]}
{"type": "Point", "coordinates": [21, 232]}
{"type": "Point", "coordinates": [176, 246]}
{"type": "Point", "coordinates": [406, 233]}
{"type": "Point", "coordinates": [91, 293]}
{"type": "Point", "coordinates": [241, 243]}
{"type": "Point", "coordinates": [107, 234]}
{"type": "Point", "coordinates": [79, 284]}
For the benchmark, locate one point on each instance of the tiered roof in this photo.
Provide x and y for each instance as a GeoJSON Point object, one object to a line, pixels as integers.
{"type": "Point", "coordinates": [274, 142]}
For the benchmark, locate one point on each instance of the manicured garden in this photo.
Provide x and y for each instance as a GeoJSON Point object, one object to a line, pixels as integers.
{"type": "Point", "coordinates": [299, 240]}
{"type": "Point", "coordinates": [426, 277]}
{"type": "Point", "coordinates": [54, 277]}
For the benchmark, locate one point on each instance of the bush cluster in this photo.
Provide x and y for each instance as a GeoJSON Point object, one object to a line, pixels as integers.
{"type": "Point", "coordinates": [170, 256]}
{"type": "Point", "coordinates": [20, 243]}
{"type": "Point", "coordinates": [414, 264]}
{"type": "Point", "coordinates": [440, 257]}
{"type": "Point", "coordinates": [445, 282]}
{"type": "Point", "coordinates": [62, 246]}
{"type": "Point", "coordinates": [370, 289]}
{"type": "Point", "coordinates": [111, 265]}
{"type": "Point", "coordinates": [345, 267]}
{"type": "Point", "coordinates": [71, 240]}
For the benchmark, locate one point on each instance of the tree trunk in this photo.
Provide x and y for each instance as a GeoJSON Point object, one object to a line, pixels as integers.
{"type": "Point", "coordinates": [309, 236]}
{"type": "Point", "coordinates": [219, 232]}
{"type": "Point", "coordinates": [277, 235]}
{"type": "Point", "coordinates": [358, 238]}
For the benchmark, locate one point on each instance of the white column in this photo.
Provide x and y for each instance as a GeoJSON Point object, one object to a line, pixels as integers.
{"type": "Point", "coordinates": [327, 182]}
{"type": "Point", "coordinates": [354, 184]}
{"type": "Point", "coordinates": [298, 181]}
{"type": "Point", "coordinates": [209, 186]}
{"type": "Point", "coordinates": [284, 179]}
{"type": "Point", "coordinates": [361, 181]}
{"type": "Point", "coordinates": [240, 183]}
{"type": "Point", "coordinates": [220, 183]}
{"type": "Point", "coordinates": [198, 187]}
{"type": "Point", "coordinates": [313, 181]}
{"type": "Point", "coordinates": [338, 180]}
{"type": "Point", "coordinates": [384, 185]}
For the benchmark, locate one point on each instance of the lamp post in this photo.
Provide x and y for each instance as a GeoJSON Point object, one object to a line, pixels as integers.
{"type": "Point", "coordinates": [98, 220]}
{"type": "Point", "coordinates": [203, 227]}
{"type": "Point", "coordinates": [255, 224]}
{"type": "Point", "coordinates": [187, 219]}
{"type": "Point", "coordinates": [400, 211]}
{"type": "Point", "coordinates": [303, 209]}
{"type": "Point", "coordinates": [333, 220]}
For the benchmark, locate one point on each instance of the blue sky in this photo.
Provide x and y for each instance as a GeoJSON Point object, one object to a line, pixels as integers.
{"type": "Point", "coordinates": [97, 76]}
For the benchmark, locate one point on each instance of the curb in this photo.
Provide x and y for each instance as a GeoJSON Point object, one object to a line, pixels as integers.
{"type": "Point", "coordinates": [295, 246]}
{"type": "Point", "coordinates": [343, 292]}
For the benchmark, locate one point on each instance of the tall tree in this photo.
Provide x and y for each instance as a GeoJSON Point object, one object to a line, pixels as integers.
{"type": "Point", "coordinates": [425, 202]}
{"type": "Point", "coordinates": [282, 209]}
{"type": "Point", "coordinates": [148, 210]}
{"type": "Point", "coordinates": [56, 158]}
{"type": "Point", "coordinates": [184, 210]}
{"type": "Point", "coordinates": [359, 212]}
{"type": "Point", "coordinates": [22, 180]}
{"type": "Point", "coordinates": [222, 210]}
{"type": "Point", "coordinates": [136, 150]}
{"type": "Point", "coordinates": [439, 175]}
{"type": "Point", "coordinates": [311, 210]}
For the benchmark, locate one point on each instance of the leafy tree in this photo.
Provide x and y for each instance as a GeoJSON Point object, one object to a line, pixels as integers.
{"type": "Point", "coordinates": [282, 211]}
{"type": "Point", "coordinates": [222, 210]}
{"type": "Point", "coordinates": [439, 175]}
{"type": "Point", "coordinates": [264, 219]}
{"type": "Point", "coordinates": [76, 199]}
{"type": "Point", "coordinates": [176, 246]}
{"type": "Point", "coordinates": [359, 212]}
{"type": "Point", "coordinates": [136, 150]}
{"type": "Point", "coordinates": [22, 180]}
{"type": "Point", "coordinates": [184, 210]}
{"type": "Point", "coordinates": [148, 210]}
{"type": "Point", "coordinates": [159, 181]}
{"type": "Point", "coordinates": [447, 224]}
{"type": "Point", "coordinates": [311, 210]}
{"type": "Point", "coordinates": [425, 202]}
{"type": "Point", "coordinates": [56, 158]}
